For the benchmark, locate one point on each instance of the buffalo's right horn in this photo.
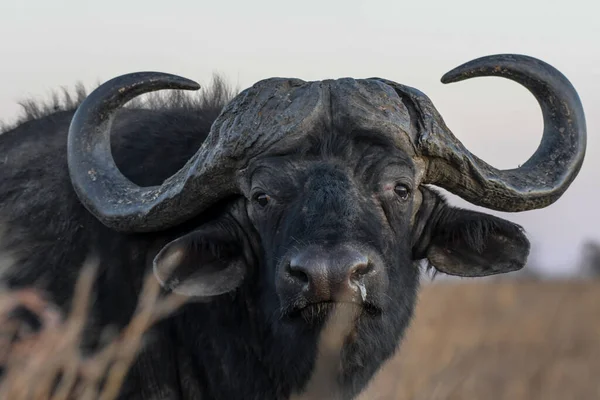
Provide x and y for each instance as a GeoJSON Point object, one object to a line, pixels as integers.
{"type": "Point", "coordinates": [108, 194]}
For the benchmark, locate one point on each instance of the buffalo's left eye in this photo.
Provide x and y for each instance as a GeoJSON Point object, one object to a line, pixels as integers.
{"type": "Point", "coordinates": [262, 199]}
{"type": "Point", "coordinates": [402, 191]}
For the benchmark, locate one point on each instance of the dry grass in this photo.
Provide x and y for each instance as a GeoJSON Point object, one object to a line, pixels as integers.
{"type": "Point", "coordinates": [48, 364]}
{"type": "Point", "coordinates": [502, 340]}
{"type": "Point", "coordinates": [493, 340]}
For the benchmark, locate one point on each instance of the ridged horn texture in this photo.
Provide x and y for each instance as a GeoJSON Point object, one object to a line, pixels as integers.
{"type": "Point", "coordinates": [207, 177]}
{"type": "Point", "coordinates": [541, 180]}
{"type": "Point", "coordinates": [285, 109]}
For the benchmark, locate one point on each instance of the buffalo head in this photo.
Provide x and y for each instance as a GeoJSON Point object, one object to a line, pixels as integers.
{"type": "Point", "coordinates": [317, 193]}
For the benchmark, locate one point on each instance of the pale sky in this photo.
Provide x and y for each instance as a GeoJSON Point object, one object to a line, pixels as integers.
{"type": "Point", "coordinates": [48, 44]}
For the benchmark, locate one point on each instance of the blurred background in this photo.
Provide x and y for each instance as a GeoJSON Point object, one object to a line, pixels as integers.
{"type": "Point", "coordinates": [534, 334]}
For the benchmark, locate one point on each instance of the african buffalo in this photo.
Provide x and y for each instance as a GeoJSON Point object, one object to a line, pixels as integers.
{"type": "Point", "coordinates": [295, 203]}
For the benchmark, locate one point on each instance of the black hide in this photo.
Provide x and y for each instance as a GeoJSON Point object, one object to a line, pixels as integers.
{"type": "Point", "coordinates": [258, 340]}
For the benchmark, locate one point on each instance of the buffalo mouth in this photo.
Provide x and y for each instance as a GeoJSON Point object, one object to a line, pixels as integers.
{"type": "Point", "coordinates": [316, 312]}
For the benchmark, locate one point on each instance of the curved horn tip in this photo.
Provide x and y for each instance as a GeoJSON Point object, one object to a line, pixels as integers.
{"type": "Point", "coordinates": [484, 66]}
{"type": "Point", "coordinates": [457, 74]}
{"type": "Point", "coordinates": [119, 90]}
{"type": "Point", "coordinates": [188, 84]}
{"type": "Point", "coordinates": [174, 81]}
{"type": "Point", "coordinates": [448, 78]}
{"type": "Point", "coordinates": [151, 79]}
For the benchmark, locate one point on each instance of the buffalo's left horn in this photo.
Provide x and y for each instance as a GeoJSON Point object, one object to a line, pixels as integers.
{"type": "Point", "coordinates": [545, 176]}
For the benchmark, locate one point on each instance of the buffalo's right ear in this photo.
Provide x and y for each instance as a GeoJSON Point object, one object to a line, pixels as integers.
{"type": "Point", "coordinates": [207, 262]}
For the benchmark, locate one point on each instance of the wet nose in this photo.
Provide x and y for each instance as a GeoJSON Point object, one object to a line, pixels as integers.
{"type": "Point", "coordinates": [326, 275]}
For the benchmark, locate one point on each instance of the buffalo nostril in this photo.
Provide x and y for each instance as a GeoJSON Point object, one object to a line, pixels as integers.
{"type": "Point", "coordinates": [297, 274]}
{"type": "Point", "coordinates": [359, 270]}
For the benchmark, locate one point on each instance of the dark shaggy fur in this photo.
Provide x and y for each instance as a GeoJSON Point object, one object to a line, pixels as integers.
{"type": "Point", "coordinates": [247, 344]}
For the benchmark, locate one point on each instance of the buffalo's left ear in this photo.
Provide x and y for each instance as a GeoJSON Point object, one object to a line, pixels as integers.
{"type": "Point", "coordinates": [471, 244]}
{"type": "Point", "coordinates": [204, 263]}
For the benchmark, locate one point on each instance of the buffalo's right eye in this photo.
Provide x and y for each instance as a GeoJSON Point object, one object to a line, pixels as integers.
{"type": "Point", "coordinates": [402, 191]}
{"type": "Point", "coordinates": [262, 199]}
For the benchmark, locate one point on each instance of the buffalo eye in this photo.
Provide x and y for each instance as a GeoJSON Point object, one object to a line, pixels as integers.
{"type": "Point", "coordinates": [262, 199]}
{"type": "Point", "coordinates": [402, 191]}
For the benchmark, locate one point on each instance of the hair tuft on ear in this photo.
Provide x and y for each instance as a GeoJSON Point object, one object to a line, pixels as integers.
{"type": "Point", "coordinates": [467, 243]}
{"type": "Point", "coordinates": [470, 229]}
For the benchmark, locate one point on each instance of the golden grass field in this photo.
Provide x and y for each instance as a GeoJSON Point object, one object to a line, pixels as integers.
{"type": "Point", "coordinates": [499, 340]}
{"type": "Point", "coordinates": [488, 340]}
